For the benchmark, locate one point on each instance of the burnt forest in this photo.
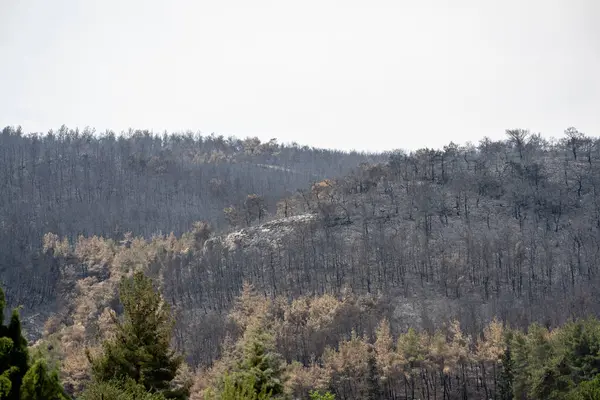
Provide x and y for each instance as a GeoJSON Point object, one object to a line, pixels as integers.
{"type": "Point", "coordinates": [181, 266]}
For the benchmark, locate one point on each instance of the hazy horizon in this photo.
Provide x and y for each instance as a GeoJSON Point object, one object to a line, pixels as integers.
{"type": "Point", "coordinates": [343, 75]}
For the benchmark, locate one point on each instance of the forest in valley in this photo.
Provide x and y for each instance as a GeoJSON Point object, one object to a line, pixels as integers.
{"type": "Point", "coordinates": [181, 266]}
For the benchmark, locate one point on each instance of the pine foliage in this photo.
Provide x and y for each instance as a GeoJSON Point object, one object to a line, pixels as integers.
{"type": "Point", "coordinates": [141, 349]}
{"type": "Point", "coordinates": [19, 380]}
{"type": "Point", "coordinates": [506, 380]}
{"type": "Point", "coordinates": [259, 363]}
{"type": "Point", "coordinates": [125, 389]}
{"type": "Point", "coordinates": [244, 389]}
{"type": "Point", "coordinates": [13, 354]}
{"type": "Point", "coordinates": [40, 383]}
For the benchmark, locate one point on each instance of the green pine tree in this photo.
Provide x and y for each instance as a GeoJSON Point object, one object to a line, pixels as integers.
{"type": "Point", "coordinates": [19, 356]}
{"type": "Point", "coordinates": [14, 357]}
{"type": "Point", "coordinates": [506, 379]}
{"type": "Point", "coordinates": [141, 350]}
{"type": "Point", "coordinates": [580, 343]}
{"type": "Point", "coordinates": [39, 383]}
{"type": "Point", "coordinates": [6, 370]}
{"type": "Point", "coordinates": [587, 390]}
{"type": "Point", "coordinates": [259, 362]}
{"type": "Point", "coordinates": [520, 355]}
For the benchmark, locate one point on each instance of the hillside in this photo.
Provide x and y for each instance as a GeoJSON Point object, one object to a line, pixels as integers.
{"type": "Point", "coordinates": [506, 229]}
{"type": "Point", "coordinates": [515, 218]}
{"type": "Point", "coordinates": [73, 183]}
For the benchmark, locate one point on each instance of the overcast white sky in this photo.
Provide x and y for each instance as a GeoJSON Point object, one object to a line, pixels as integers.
{"type": "Point", "coordinates": [368, 75]}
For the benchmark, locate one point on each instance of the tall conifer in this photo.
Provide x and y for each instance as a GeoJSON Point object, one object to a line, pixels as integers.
{"type": "Point", "coordinates": [141, 348]}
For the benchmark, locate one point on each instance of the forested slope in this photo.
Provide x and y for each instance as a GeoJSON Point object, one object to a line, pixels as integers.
{"type": "Point", "coordinates": [73, 183]}
{"type": "Point", "coordinates": [507, 229]}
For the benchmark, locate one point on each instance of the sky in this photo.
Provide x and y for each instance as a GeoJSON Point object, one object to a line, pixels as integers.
{"type": "Point", "coordinates": [367, 75]}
